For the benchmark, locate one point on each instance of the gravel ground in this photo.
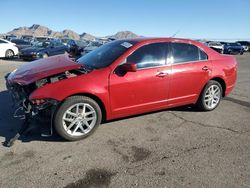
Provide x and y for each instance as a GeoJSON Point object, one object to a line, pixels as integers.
{"type": "Point", "coordinates": [173, 148]}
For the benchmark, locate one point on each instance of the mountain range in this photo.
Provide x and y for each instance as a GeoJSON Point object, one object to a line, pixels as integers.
{"type": "Point", "coordinates": [39, 30]}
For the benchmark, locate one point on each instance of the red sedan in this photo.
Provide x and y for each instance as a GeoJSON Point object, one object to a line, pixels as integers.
{"type": "Point", "coordinates": [122, 78]}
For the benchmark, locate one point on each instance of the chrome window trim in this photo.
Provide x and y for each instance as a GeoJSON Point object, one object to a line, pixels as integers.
{"type": "Point", "coordinates": [169, 60]}
{"type": "Point", "coordinates": [188, 62]}
{"type": "Point", "coordinates": [166, 65]}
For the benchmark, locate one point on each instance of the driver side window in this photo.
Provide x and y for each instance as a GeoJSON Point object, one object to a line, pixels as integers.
{"type": "Point", "coordinates": [151, 55]}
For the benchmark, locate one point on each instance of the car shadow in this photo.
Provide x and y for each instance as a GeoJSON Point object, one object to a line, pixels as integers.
{"type": "Point", "coordinates": [9, 125]}
{"type": "Point", "coordinates": [17, 59]}
{"type": "Point", "coordinates": [187, 108]}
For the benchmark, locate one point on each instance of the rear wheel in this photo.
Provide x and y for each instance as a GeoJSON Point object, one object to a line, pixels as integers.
{"type": "Point", "coordinates": [211, 96]}
{"type": "Point", "coordinates": [77, 118]}
{"type": "Point", "coordinates": [9, 54]}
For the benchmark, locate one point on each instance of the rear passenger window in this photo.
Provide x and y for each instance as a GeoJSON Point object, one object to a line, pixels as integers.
{"type": "Point", "coordinates": [151, 55]}
{"type": "Point", "coordinates": [183, 52]}
{"type": "Point", "coordinates": [203, 55]}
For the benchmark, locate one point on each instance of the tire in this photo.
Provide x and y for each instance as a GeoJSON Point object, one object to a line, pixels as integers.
{"type": "Point", "coordinates": [45, 56]}
{"type": "Point", "coordinates": [73, 126]}
{"type": "Point", "coordinates": [9, 54]}
{"type": "Point", "coordinates": [208, 101]}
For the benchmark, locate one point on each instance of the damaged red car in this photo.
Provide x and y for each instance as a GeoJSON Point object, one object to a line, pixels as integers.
{"type": "Point", "coordinates": [122, 78]}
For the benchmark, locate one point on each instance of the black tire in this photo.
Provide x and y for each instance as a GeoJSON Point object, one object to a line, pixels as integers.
{"type": "Point", "coordinates": [201, 104]}
{"type": "Point", "coordinates": [58, 117]}
{"type": "Point", "coordinates": [9, 54]}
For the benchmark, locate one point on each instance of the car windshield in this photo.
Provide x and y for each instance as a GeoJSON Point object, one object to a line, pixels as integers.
{"type": "Point", "coordinates": [65, 40]}
{"type": "Point", "coordinates": [41, 44]}
{"type": "Point", "coordinates": [97, 44]}
{"type": "Point", "coordinates": [106, 54]}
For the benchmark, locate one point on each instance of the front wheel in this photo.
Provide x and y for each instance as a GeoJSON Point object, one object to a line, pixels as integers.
{"type": "Point", "coordinates": [9, 54]}
{"type": "Point", "coordinates": [77, 118]}
{"type": "Point", "coordinates": [211, 96]}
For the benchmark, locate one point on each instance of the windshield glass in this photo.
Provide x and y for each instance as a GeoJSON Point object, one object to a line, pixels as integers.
{"type": "Point", "coordinates": [106, 54]}
{"type": "Point", "coordinates": [41, 44]}
{"type": "Point", "coordinates": [94, 44]}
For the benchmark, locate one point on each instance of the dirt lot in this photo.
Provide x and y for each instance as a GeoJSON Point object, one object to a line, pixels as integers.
{"type": "Point", "coordinates": [173, 148]}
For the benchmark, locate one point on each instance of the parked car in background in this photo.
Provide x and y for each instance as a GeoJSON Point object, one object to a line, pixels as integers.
{"type": "Point", "coordinates": [66, 41]}
{"type": "Point", "coordinates": [10, 37]}
{"type": "Point", "coordinates": [245, 44]}
{"type": "Point", "coordinates": [92, 46]}
{"type": "Point", "coordinates": [232, 48]}
{"type": "Point", "coordinates": [82, 43]}
{"type": "Point", "coordinates": [217, 46]}
{"type": "Point", "coordinates": [27, 37]}
{"type": "Point", "coordinates": [122, 78]}
{"type": "Point", "coordinates": [75, 50]}
{"type": "Point", "coordinates": [7, 49]}
{"type": "Point", "coordinates": [20, 43]}
{"type": "Point", "coordinates": [42, 39]}
{"type": "Point", "coordinates": [43, 50]}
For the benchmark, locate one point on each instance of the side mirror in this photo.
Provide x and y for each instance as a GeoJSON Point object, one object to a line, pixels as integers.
{"type": "Point", "coordinates": [129, 67]}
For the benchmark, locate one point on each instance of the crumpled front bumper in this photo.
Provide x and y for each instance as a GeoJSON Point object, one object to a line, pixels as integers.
{"type": "Point", "coordinates": [20, 98]}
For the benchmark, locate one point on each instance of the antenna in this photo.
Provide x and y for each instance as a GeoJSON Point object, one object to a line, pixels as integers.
{"type": "Point", "coordinates": [175, 33]}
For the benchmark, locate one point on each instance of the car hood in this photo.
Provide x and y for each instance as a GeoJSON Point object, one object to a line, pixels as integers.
{"type": "Point", "coordinates": [31, 49]}
{"type": "Point", "coordinates": [36, 70]}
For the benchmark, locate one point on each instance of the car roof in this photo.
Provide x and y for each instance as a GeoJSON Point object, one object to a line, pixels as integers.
{"type": "Point", "coordinates": [153, 39]}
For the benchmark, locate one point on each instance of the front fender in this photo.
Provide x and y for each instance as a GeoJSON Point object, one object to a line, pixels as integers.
{"type": "Point", "coordinates": [94, 83]}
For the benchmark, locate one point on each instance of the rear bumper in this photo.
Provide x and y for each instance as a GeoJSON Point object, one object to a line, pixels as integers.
{"type": "Point", "coordinates": [229, 89]}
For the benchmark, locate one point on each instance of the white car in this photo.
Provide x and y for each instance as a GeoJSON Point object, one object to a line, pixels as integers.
{"type": "Point", "coordinates": [7, 49]}
{"type": "Point", "coordinates": [217, 46]}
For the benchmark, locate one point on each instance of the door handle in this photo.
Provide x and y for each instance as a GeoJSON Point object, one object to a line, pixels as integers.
{"type": "Point", "coordinates": [205, 68]}
{"type": "Point", "coordinates": [161, 74]}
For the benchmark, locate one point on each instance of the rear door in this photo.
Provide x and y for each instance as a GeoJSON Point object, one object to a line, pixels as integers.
{"type": "Point", "coordinates": [190, 72]}
{"type": "Point", "coordinates": [147, 88]}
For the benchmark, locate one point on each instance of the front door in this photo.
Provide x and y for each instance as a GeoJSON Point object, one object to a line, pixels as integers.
{"type": "Point", "coordinates": [147, 88]}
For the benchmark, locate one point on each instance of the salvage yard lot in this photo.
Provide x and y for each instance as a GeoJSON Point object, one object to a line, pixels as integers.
{"type": "Point", "coordinates": [173, 148]}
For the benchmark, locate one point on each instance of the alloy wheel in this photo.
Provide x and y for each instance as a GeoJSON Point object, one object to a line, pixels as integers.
{"type": "Point", "coordinates": [212, 96]}
{"type": "Point", "coordinates": [79, 119]}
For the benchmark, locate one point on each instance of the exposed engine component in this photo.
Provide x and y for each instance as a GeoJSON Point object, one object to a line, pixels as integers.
{"type": "Point", "coordinates": [61, 76]}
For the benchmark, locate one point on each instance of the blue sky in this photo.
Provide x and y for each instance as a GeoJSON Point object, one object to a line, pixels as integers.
{"type": "Point", "coordinates": [190, 18]}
